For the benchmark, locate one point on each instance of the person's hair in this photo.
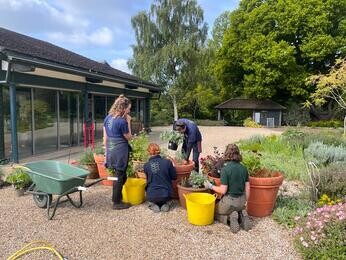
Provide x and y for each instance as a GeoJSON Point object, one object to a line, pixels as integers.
{"type": "Point", "coordinates": [119, 106]}
{"type": "Point", "coordinates": [232, 153]}
{"type": "Point", "coordinates": [153, 149]}
{"type": "Point", "coordinates": [180, 126]}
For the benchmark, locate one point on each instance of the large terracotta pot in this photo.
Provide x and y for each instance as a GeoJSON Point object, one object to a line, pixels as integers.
{"type": "Point", "coordinates": [186, 190]}
{"type": "Point", "coordinates": [100, 161]}
{"type": "Point", "coordinates": [183, 171]}
{"type": "Point", "coordinates": [263, 193]}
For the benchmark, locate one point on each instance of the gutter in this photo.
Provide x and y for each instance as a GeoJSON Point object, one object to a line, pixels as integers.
{"type": "Point", "coordinates": [79, 72]}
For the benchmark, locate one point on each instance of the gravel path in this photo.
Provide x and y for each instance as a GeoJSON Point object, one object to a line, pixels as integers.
{"type": "Point", "coordinates": [97, 232]}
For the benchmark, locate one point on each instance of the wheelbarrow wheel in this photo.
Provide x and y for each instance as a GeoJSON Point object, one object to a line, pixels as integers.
{"type": "Point", "coordinates": [42, 200]}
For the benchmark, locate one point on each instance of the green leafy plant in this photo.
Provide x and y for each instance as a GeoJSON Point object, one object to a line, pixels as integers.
{"type": "Point", "coordinates": [139, 146]}
{"type": "Point", "coordinates": [99, 150]}
{"type": "Point", "coordinates": [252, 162]}
{"type": "Point", "coordinates": [195, 180]}
{"type": "Point", "coordinates": [323, 154]}
{"type": "Point", "coordinates": [326, 123]}
{"type": "Point", "coordinates": [19, 179]}
{"type": "Point", "coordinates": [172, 136]}
{"type": "Point", "coordinates": [179, 157]}
{"type": "Point", "coordinates": [332, 180]}
{"type": "Point", "coordinates": [87, 157]}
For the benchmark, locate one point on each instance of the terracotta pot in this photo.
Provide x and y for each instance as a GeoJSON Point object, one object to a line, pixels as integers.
{"type": "Point", "coordinates": [217, 182]}
{"type": "Point", "coordinates": [100, 162]}
{"type": "Point", "coordinates": [263, 193]}
{"type": "Point", "coordinates": [141, 175]}
{"type": "Point", "coordinates": [186, 190]}
{"type": "Point", "coordinates": [92, 168]}
{"type": "Point", "coordinates": [183, 171]}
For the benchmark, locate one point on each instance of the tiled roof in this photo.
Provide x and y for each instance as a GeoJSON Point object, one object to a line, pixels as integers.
{"type": "Point", "coordinates": [242, 103]}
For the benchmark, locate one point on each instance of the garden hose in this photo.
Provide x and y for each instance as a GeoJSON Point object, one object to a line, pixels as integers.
{"type": "Point", "coordinates": [41, 245]}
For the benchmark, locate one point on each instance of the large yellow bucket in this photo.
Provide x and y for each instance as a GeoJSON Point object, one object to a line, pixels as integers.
{"type": "Point", "coordinates": [134, 191]}
{"type": "Point", "coordinates": [200, 208]}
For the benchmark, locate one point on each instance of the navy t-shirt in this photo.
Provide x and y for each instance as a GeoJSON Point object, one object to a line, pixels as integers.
{"type": "Point", "coordinates": [116, 127]}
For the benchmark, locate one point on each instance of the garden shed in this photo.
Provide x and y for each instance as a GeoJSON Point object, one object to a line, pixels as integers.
{"type": "Point", "coordinates": [47, 94]}
{"type": "Point", "coordinates": [264, 112]}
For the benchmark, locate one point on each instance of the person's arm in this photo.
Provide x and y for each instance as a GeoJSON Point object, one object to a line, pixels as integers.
{"type": "Point", "coordinates": [104, 137]}
{"type": "Point", "coordinates": [127, 128]}
{"type": "Point", "coordinates": [247, 190]}
{"type": "Point", "coordinates": [220, 189]}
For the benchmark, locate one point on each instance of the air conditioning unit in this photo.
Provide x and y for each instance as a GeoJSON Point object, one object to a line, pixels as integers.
{"type": "Point", "coordinates": [270, 122]}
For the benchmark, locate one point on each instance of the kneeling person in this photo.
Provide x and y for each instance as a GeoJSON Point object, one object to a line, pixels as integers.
{"type": "Point", "coordinates": [160, 173]}
{"type": "Point", "coordinates": [236, 187]}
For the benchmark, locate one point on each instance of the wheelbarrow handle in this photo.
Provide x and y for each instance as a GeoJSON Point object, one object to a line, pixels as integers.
{"type": "Point", "coordinates": [101, 179]}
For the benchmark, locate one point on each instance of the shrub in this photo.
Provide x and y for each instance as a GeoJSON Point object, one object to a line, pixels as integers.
{"type": "Point", "coordinates": [296, 115]}
{"type": "Point", "coordinates": [195, 180]}
{"type": "Point", "coordinates": [139, 145]}
{"type": "Point", "coordinates": [212, 164]}
{"type": "Point", "coordinates": [288, 208]}
{"type": "Point", "coordinates": [248, 122]}
{"type": "Point", "coordinates": [327, 137]}
{"type": "Point", "coordinates": [332, 180]}
{"type": "Point", "coordinates": [252, 162]}
{"type": "Point", "coordinates": [206, 122]}
{"type": "Point", "coordinates": [19, 179]}
{"type": "Point", "coordinates": [323, 154]}
{"type": "Point", "coordinates": [322, 234]}
{"type": "Point", "coordinates": [87, 157]}
{"type": "Point", "coordinates": [326, 123]}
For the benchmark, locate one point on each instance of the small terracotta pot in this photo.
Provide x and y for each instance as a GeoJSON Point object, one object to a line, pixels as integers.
{"type": "Point", "coordinates": [100, 161]}
{"type": "Point", "coordinates": [92, 168]}
{"type": "Point", "coordinates": [263, 193]}
{"type": "Point", "coordinates": [186, 190]}
{"type": "Point", "coordinates": [183, 171]}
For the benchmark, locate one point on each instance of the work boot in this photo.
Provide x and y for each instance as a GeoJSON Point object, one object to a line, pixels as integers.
{"type": "Point", "coordinates": [122, 205]}
{"type": "Point", "coordinates": [233, 222]}
{"type": "Point", "coordinates": [154, 207]}
{"type": "Point", "coordinates": [224, 219]}
{"type": "Point", "coordinates": [166, 207]}
{"type": "Point", "coordinates": [245, 221]}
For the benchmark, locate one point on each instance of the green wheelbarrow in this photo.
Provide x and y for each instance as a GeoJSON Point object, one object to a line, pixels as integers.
{"type": "Point", "coordinates": [55, 178]}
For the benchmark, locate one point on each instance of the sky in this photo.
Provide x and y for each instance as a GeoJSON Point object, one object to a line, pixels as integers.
{"type": "Point", "coordinates": [98, 29]}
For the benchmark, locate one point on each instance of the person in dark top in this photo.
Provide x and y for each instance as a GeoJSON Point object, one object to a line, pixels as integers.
{"type": "Point", "coordinates": [116, 134]}
{"type": "Point", "coordinates": [160, 173]}
{"type": "Point", "coordinates": [192, 139]}
{"type": "Point", "coordinates": [236, 187]}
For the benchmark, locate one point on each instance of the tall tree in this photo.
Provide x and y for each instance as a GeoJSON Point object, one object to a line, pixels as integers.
{"type": "Point", "coordinates": [168, 40]}
{"type": "Point", "coordinates": [272, 46]}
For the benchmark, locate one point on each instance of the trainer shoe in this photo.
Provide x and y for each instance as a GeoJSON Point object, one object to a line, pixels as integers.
{"type": "Point", "coordinates": [154, 207]}
{"type": "Point", "coordinates": [165, 207]}
{"type": "Point", "coordinates": [233, 222]}
{"type": "Point", "coordinates": [245, 221]}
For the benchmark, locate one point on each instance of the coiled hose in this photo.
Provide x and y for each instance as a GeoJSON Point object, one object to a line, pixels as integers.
{"type": "Point", "coordinates": [40, 245]}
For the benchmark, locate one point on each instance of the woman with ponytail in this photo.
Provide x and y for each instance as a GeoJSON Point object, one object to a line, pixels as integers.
{"type": "Point", "coordinates": [116, 134]}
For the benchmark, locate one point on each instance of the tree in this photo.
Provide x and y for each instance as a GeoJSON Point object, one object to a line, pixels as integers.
{"type": "Point", "coordinates": [168, 40]}
{"type": "Point", "coordinates": [272, 46]}
{"type": "Point", "coordinates": [330, 86]}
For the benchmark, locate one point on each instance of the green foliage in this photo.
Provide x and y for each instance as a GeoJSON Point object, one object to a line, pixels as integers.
{"type": "Point", "coordinates": [139, 146]}
{"type": "Point", "coordinates": [206, 122]}
{"type": "Point", "coordinates": [288, 208]}
{"type": "Point", "coordinates": [333, 180]}
{"type": "Point", "coordinates": [179, 157]}
{"type": "Point", "coordinates": [296, 115]}
{"type": "Point", "coordinates": [172, 136]}
{"type": "Point", "coordinates": [252, 162]}
{"type": "Point", "coordinates": [248, 122]}
{"type": "Point", "coordinates": [195, 180]}
{"type": "Point", "coordinates": [270, 47]}
{"type": "Point", "coordinates": [99, 149]}
{"type": "Point", "coordinates": [323, 154]}
{"type": "Point", "coordinates": [326, 123]}
{"type": "Point", "coordinates": [87, 157]}
{"type": "Point", "coordinates": [19, 179]}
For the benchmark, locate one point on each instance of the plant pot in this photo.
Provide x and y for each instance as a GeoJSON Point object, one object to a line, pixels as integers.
{"type": "Point", "coordinates": [217, 182]}
{"type": "Point", "coordinates": [92, 168]}
{"type": "Point", "coordinates": [138, 166]}
{"type": "Point", "coordinates": [186, 190]}
{"type": "Point", "coordinates": [263, 193]}
{"type": "Point", "coordinates": [172, 146]}
{"type": "Point", "coordinates": [141, 175]}
{"type": "Point", "coordinates": [100, 162]}
{"type": "Point", "coordinates": [20, 192]}
{"type": "Point", "coordinates": [183, 171]}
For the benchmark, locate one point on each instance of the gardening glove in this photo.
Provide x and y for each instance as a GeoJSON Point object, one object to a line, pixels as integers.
{"type": "Point", "coordinates": [208, 185]}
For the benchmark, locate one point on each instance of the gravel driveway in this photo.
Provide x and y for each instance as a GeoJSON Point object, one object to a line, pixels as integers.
{"type": "Point", "coordinates": [97, 232]}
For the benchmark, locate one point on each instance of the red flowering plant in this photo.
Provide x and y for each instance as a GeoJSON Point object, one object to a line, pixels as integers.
{"type": "Point", "coordinates": [212, 164]}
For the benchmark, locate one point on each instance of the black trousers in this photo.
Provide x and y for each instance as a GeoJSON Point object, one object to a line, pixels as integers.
{"type": "Point", "coordinates": [118, 186]}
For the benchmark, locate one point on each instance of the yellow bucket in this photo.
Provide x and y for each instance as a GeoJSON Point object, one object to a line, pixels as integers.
{"type": "Point", "coordinates": [200, 208]}
{"type": "Point", "coordinates": [134, 191]}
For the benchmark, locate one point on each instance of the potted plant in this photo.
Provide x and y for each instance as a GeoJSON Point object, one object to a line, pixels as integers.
{"type": "Point", "coordinates": [183, 169]}
{"type": "Point", "coordinates": [139, 155]}
{"type": "Point", "coordinates": [20, 180]}
{"type": "Point", "coordinates": [173, 137]}
{"type": "Point", "coordinates": [87, 160]}
{"type": "Point", "coordinates": [99, 157]}
{"type": "Point", "coordinates": [264, 186]}
{"type": "Point", "coordinates": [212, 165]}
{"type": "Point", "coordinates": [194, 183]}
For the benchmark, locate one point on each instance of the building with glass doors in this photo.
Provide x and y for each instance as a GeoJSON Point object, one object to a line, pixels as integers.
{"type": "Point", "coordinates": [47, 92]}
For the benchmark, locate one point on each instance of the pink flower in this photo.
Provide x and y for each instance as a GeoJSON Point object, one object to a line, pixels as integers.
{"type": "Point", "coordinates": [305, 244]}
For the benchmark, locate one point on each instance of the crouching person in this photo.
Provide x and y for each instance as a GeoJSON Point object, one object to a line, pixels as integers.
{"type": "Point", "coordinates": [236, 189]}
{"type": "Point", "coordinates": [159, 172]}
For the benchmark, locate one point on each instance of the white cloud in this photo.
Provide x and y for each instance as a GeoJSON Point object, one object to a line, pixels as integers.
{"type": "Point", "coordinates": [100, 37]}
{"type": "Point", "coordinates": [120, 64]}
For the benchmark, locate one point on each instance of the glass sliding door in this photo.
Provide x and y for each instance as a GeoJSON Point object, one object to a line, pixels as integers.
{"type": "Point", "coordinates": [24, 122]}
{"type": "Point", "coordinates": [45, 114]}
